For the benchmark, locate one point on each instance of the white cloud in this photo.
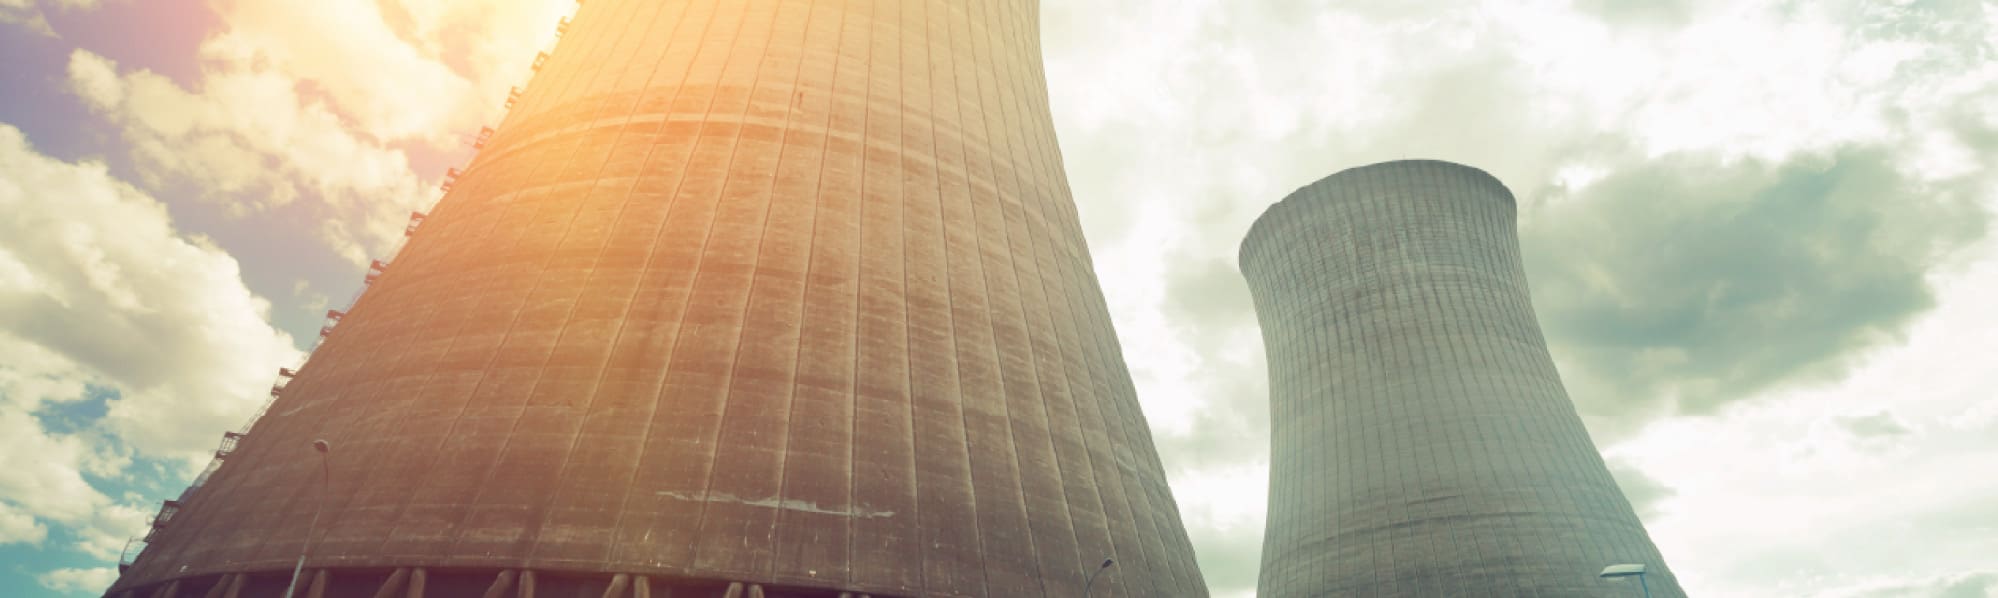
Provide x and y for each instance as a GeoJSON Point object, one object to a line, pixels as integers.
{"type": "Point", "coordinates": [108, 268]}
{"type": "Point", "coordinates": [1222, 507]}
{"type": "Point", "coordinates": [18, 527]}
{"type": "Point", "coordinates": [42, 472]}
{"type": "Point", "coordinates": [91, 580]}
{"type": "Point", "coordinates": [425, 70]}
{"type": "Point", "coordinates": [1967, 584]}
{"type": "Point", "coordinates": [19, 14]}
{"type": "Point", "coordinates": [249, 139]}
{"type": "Point", "coordinates": [87, 264]}
{"type": "Point", "coordinates": [324, 101]}
{"type": "Point", "coordinates": [312, 301]}
{"type": "Point", "coordinates": [391, 89]}
{"type": "Point", "coordinates": [25, 13]}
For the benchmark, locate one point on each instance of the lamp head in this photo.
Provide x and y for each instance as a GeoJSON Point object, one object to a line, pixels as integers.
{"type": "Point", "coordinates": [1106, 564]}
{"type": "Point", "coordinates": [322, 446]}
{"type": "Point", "coordinates": [1625, 570]}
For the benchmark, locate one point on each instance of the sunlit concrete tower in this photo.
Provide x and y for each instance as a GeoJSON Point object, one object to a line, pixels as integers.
{"type": "Point", "coordinates": [1421, 442]}
{"type": "Point", "coordinates": [743, 297]}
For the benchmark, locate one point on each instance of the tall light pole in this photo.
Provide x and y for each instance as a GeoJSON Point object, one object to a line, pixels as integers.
{"type": "Point", "coordinates": [325, 482]}
{"type": "Point", "coordinates": [1092, 576]}
{"type": "Point", "coordinates": [1627, 570]}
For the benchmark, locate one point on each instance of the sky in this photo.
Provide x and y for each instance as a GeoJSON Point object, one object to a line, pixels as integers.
{"type": "Point", "coordinates": [1758, 236]}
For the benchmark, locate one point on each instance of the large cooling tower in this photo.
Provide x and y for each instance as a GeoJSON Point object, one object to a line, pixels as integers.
{"type": "Point", "coordinates": [755, 297]}
{"type": "Point", "coordinates": [1421, 442]}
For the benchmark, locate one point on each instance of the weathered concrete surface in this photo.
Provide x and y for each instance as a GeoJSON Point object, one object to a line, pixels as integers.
{"type": "Point", "coordinates": [1421, 442]}
{"type": "Point", "coordinates": [770, 291]}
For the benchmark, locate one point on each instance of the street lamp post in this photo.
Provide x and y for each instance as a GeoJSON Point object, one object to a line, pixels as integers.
{"type": "Point", "coordinates": [325, 482]}
{"type": "Point", "coordinates": [1627, 570]}
{"type": "Point", "coordinates": [1086, 584]}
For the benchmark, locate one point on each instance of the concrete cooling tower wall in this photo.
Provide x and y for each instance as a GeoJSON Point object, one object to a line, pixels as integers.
{"type": "Point", "coordinates": [747, 298]}
{"type": "Point", "coordinates": [1421, 443]}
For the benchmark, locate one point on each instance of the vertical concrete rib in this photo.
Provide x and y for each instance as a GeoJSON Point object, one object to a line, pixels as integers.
{"type": "Point", "coordinates": [675, 465]}
{"type": "Point", "coordinates": [1092, 365]}
{"type": "Point", "coordinates": [1060, 562]}
{"type": "Point", "coordinates": [1011, 550]}
{"type": "Point", "coordinates": [652, 317]}
{"type": "Point", "coordinates": [559, 384]}
{"type": "Point", "coordinates": [527, 347]}
{"type": "Point", "coordinates": [887, 450]}
{"type": "Point", "coordinates": [737, 524]}
{"type": "Point", "coordinates": [819, 418]}
{"type": "Point", "coordinates": [1421, 442]}
{"type": "Point", "coordinates": [578, 524]}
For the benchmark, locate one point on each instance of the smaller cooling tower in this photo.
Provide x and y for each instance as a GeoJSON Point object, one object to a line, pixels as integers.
{"type": "Point", "coordinates": [1421, 442]}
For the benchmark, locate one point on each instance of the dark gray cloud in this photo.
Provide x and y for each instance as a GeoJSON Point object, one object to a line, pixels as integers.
{"type": "Point", "coordinates": [1878, 425]}
{"type": "Point", "coordinates": [1207, 297]}
{"type": "Point", "coordinates": [1206, 301]}
{"type": "Point", "coordinates": [1645, 492]}
{"type": "Point", "coordinates": [1982, 584]}
{"type": "Point", "coordinates": [1697, 282]}
{"type": "Point", "coordinates": [1229, 561]}
{"type": "Point", "coordinates": [1976, 586]}
{"type": "Point", "coordinates": [1970, 127]}
{"type": "Point", "coordinates": [1638, 12]}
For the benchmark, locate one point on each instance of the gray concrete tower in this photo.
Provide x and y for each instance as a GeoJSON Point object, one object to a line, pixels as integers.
{"type": "Point", "coordinates": [746, 298]}
{"type": "Point", "coordinates": [1421, 442]}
